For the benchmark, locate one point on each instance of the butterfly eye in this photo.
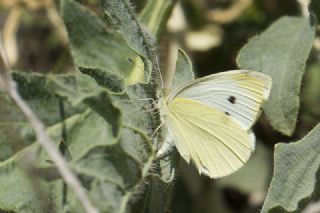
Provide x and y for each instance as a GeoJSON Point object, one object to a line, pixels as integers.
{"type": "Point", "coordinates": [232, 99]}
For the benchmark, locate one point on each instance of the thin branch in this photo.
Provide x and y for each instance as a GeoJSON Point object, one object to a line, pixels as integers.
{"type": "Point", "coordinates": [230, 14]}
{"type": "Point", "coordinates": [304, 5]}
{"type": "Point", "coordinates": [9, 35]}
{"type": "Point", "coordinates": [3, 56]}
{"type": "Point", "coordinates": [32, 5]}
{"type": "Point", "coordinates": [56, 21]}
{"type": "Point", "coordinates": [9, 85]}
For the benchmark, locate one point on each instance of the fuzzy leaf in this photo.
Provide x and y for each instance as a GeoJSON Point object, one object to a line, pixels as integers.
{"type": "Point", "coordinates": [74, 87]}
{"type": "Point", "coordinates": [20, 193]}
{"type": "Point", "coordinates": [281, 52]}
{"type": "Point", "coordinates": [155, 15]}
{"type": "Point", "coordinates": [105, 137]}
{"type": "Point", "coordinates": [184, 71]}
{"type": "Point", "coordinates": [158, 196]}
{"type": "Point", "coordinates": [98, 51]}
{"type": "Point", "coordinates": [115, 172]}
{"type": "Point", "coordinates": [112, 169]}
{"type": "Point", "coordinates": [11, 133]}
{"type": "Point", "coordinates": [16, 133]}
{"type": "Point", "coordinates": [120, 15]}
{"type": "Point", "coordinates": [80, 91]}
{"type": "Point", "coordinates": [296, 167]}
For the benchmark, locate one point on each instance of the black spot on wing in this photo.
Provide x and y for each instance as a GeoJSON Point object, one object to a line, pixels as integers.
{"type": "Point", "coordinates": [232, 99]}
{"type": "Point", "coordinates": [227, 113]}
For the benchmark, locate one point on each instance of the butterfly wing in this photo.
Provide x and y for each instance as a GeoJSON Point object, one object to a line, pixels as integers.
{"type": "Point", "coordinates": [239, 94]}
{"type": "Point", "coordinates": [215, 143]}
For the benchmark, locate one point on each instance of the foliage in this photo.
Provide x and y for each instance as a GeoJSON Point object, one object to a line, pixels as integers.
{"type": "Point", "coordinates": [282, 54]}
{"type": "Point", "coordinates": [300, 160]}
{"type": "Point", "coordinates": [102, 116]}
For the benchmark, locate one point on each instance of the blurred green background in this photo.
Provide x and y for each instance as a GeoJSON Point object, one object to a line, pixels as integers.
{"type": "Point", "coordinates": [212, 33]}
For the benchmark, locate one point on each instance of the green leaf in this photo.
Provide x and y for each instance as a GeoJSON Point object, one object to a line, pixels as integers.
{"type": "Point", "coordinates": [281, 52]}
{"type": "Point", "coordinates": [13, 128]}
{"type": "Point", "coordinates": [161, 187]}
{"type": "Point", "coordinates": [16, 133]}
{"type": "Point", "coordinates": [112, 169]}
{"type": "Point", "coordinates": [158, 196]}
{"type": "Point", "coordinates": [100, 52]}
{"type": "Point", "coordinates": [184, 71]}
{"type": "Point", "coordinates": [20, 193]}
{"type": "Point", "coordinates": [156, 14]}
{"type": "Point", "coordinates": [296, 167]}
{"type": "Point", "coordinates": [12, 137]}
{"type": "Point", "coordinates": [115, 173]}
{"type": "Point", "coordinates": [120, 15]}
{"type": "Point", "coordinates": [85, 131]}
{"type": "Point", "coordinates": [81, 90]}
{"type": "Point", "coordinates": [102, 104]}
{"type": "Point", "coordinates": [74, 87]}
{"type": "Point", "coordinates": [105, 136]}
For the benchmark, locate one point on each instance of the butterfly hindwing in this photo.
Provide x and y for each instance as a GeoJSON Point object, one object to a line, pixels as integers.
{"type": "Point", "coordinates": [239, 94]}
{"type": "Point", "coordinates": [213, 141]}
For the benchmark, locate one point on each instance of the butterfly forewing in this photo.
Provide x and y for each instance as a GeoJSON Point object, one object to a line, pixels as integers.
{"type": "Point", "coordinates": [238, 94]}
{"type": "Point", "coordinates": [215, 143]}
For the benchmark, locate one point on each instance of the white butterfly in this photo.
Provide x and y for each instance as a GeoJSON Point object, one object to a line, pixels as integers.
{"type": "Point", "coordinates": [209, 120]}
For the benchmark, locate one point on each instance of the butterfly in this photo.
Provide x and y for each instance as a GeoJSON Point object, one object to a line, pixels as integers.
{"type": "Point", "coordinates": [209, 119]}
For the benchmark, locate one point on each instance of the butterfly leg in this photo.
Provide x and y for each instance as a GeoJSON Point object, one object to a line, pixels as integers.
{"type": "Point", "coordinates": [157, 129]}
{"type": "Point", "coordinates": [148, 99]}
{"type": "Point", "coordinates": [153, 105]}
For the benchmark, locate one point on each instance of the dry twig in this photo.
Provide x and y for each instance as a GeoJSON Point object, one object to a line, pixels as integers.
{"type": "Point", "coordinates": [228, 15]}
{"type": "Point", "coordinates": [304, 5]}
{"type": "Point", "coordinates": [9, 35]}
{"type": "Point", "coordinates": [34, 5]}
